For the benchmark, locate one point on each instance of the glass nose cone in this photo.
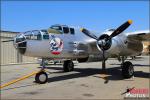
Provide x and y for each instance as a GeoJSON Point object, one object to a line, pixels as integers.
{"type": "Point", "coordinates": [20, 43]}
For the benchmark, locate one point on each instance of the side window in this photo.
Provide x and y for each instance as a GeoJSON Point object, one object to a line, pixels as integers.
{"type": "Point", "coordinates": [45, 35]}
{"type": "Point", "coordinates": [66, 29]}
{"type": "Point", "coordinates": [37, 35]}
{"type": "Point", "coordinates": [28, 35]}
{"type": "Point", "coordinates": [72, 30]}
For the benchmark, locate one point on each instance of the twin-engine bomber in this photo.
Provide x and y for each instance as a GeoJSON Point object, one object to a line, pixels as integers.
{"type": "Point", "coordinates": [68, 44]}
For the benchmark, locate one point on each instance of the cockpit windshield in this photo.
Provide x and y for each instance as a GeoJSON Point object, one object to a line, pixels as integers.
{"type": "Point", "coordinates": [56, 27]}
{"type": "Point", "coordinates": [61, 29]}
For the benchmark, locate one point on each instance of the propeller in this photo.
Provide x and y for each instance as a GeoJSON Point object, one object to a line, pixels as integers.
{"type": "Point", "coordinates": [88, 33]}
{"type": "Point", "coordinates": [104, 41]}
{"type": "Point", "coordinates": [121, 28]}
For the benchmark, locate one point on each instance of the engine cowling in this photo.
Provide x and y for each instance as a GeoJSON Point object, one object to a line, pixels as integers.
{"type": "Point", "coordinates": [110, 46]}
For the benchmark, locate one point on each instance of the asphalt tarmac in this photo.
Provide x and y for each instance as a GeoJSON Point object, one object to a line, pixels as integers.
{"type": "Point", "coordinates": [85, 82]}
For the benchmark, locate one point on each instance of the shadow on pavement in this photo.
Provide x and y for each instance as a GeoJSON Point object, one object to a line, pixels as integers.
{"type": "Point", "coordinates": [112, 74]}
{"type": "Point", "coordinates": [136, 65]}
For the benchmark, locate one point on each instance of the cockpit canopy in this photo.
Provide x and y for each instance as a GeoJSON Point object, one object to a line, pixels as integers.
{"type": "Point", "coordinates": [61, 29]}
{"type": "Point", "coordinates": [44, 34]}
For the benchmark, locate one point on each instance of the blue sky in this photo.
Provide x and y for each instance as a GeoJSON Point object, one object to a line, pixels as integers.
{"type": "Point", "coordinates": [94, 15]}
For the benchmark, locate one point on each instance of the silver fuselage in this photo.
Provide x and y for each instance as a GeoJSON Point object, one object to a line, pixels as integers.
{"type": "Point", "coordinates": [79, 45]}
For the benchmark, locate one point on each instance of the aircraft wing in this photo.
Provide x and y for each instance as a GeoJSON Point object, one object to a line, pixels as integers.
{"type": "Point", "coordinates": [139, 35]}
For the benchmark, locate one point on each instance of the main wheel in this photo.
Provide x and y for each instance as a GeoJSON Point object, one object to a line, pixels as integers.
{"type": "Point", "coordinates": [127, 69]}
{"type": "Point", "coordinates": [68, 66]}
{"type": "Point", "coordinates": [41, 77]}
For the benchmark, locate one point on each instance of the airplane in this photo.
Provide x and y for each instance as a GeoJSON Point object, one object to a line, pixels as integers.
{"type": "Point", "coordinates": [67, 43]}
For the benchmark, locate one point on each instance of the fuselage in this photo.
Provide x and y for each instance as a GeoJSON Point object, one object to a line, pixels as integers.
{"type": "Point", "coordinates": [71, 43]}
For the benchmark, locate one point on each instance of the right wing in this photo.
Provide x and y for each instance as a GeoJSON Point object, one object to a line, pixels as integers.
{"type": "Point", "coordinates": [139, 35]}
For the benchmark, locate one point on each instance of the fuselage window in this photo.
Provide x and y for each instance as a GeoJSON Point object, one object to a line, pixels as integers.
{"type": "Point", "coordinates": [66, 29]}
{"type": "Point", "coordinates": [45, 34]}
{"type": "Point", "coordinates": [28, 35]}
{"type": "Point", "coordinates": [46, 37]}
{"type": "Point", "coordinates": [72, 30]}
{"type": "Point", "coordinates": [36, 35]}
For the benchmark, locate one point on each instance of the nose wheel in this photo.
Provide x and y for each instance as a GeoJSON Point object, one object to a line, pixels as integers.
{"type": "Point", "coordinates": [41, 77]}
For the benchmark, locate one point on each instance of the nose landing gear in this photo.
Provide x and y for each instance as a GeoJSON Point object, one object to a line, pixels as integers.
{"type": "Point", "coordinates": [42, 76]}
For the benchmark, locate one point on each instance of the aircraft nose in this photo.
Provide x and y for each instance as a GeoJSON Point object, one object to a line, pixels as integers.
{"type": "Point", "coordinates": [20, 43]}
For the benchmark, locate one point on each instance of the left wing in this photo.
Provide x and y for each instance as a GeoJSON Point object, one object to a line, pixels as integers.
{"type": "Point", "coordinates": [139, 35]}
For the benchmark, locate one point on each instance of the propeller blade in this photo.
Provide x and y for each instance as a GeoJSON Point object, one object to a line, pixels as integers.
{"type": "Point", "coordinates": [7, 40]}
{"type": "Point", "coordinates": [88, 33]}
{"type": "Point", "coordinates": [121, 28]}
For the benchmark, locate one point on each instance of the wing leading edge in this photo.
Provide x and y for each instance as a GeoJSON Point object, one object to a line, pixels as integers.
{"type": "Point", "coordinates": [139, 35]}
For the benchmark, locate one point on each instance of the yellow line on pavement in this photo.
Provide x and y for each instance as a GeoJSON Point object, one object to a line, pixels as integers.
{"type": "Point", "coordinates": [19, 79]}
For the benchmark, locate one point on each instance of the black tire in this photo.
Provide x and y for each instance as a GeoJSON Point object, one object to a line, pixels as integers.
{"type": "Point", "coordinates": [38, 77]}
{"type": "Point", "coordinates": [68, 66]}
{"type": "Point", "coordinates": [127, 69]}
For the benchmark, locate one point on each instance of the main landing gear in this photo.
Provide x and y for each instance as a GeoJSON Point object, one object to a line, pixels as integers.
{"type": "Point", "coordinates": [42, 76]}
{"type": "Point", "coordinates": [127, 69]}
{"type": "Point", "coordinates": [68, 66]}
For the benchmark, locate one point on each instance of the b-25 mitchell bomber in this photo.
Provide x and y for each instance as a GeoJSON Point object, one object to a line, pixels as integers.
{"type": "Point", "coordinates": [67, 43]}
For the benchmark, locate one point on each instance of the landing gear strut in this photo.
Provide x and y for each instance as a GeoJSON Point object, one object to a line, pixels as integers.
{"type": "Point", "coordinates": [68, 66]}
{"type": "Point", "coordinates": [127, 69]}
{"type": "Point", "coordinates": [42, 76]}
{"type": "Point", "coordinates": [104, 63]}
